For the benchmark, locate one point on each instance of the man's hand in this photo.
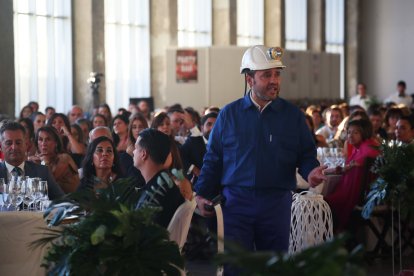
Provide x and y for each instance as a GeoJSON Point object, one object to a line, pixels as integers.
{"type": "Point", "coordinates": [201, 201]}
{"type": "Point", "coordinates": [316, 176]}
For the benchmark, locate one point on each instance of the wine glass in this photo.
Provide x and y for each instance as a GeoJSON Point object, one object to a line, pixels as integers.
{"type": "Point", "coordinates": [14, 193]}
{"type": "Point", "coordinates": [2, 192]}
{"type": "Point", "coordinates": [28, 193]}
{"type": "Point", "coordinates": [43, 192]}
{"type": "Point", "coordinates": [5, 196]}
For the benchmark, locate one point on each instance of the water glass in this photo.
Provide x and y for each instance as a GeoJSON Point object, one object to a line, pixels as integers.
{"type": "Point", "coordinates": [28, 193]}
{"type": "Point", "coordinates": [43, 192]}
{"type": "Point", "coordinates": [15, 193]}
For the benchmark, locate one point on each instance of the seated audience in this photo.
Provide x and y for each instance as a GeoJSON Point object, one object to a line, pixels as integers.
{"type": "Point", "coordinates": [26, 112]}
{"type": "Point", "coordinates": [120, 132]}
{"type": "Point", "coordinates": [347, 193]}
{"type": "Point", "coordinates": [391, 118]}
{"type": "Point", "coordinates": [376, 119]}
{"type": "Point", "coordinates": [105, 111]}
{"type": "Point", "coordinates": [30, 135]}
{"type": "Point", "coordinates": [161, 122]}
{"type": "Point", "coordinates": [39, 120]}
{"type": "Point", "coordinates": [50, 152]}
{"type": "Point", "coordinates": [98, 120]}
{"type": "Point", "coordinates": [84, 124]}
{"type": "Point", "coordinates": [61, 123]}
{"type": "Point", "coordinates": [49, 111]}
{"type": "Point", "coordinates": [151, 151]}
{"type": "Point", "coordinates": [125, 160]}
{"type": "Point", "coordinates": [137, 123]}
{"type": "Point", "coordinates": [100, 166]}
{"type": "Point", "coordinates": [75, 113]}
{"type": "Point", "coordinates": [320, 141]}
{"type": "Point", "coordinates": [194, 148]}
{"type": "Point", "coordinates": [333, 119]}
{"type": "Point", "coordinates": [176, 115]}
{"type": "Point", "coordinates": [404, 132]}
{"type": "Point", "coordinates": [14, 147]}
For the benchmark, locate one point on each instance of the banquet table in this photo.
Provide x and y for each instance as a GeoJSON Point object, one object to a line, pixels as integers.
{"type": "Point", "coordinates": [17, 231]}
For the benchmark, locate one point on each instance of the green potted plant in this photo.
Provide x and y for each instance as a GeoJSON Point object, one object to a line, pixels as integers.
{"type": "Point", "coordinates": [113, 237]}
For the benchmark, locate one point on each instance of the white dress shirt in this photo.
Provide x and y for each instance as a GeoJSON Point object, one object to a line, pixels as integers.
{"type": "Point", "coordinates": [397, 99]}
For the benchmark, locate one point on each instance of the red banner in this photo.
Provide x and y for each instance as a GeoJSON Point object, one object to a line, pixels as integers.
{"type": "Point", "coordinates": [186, 66]}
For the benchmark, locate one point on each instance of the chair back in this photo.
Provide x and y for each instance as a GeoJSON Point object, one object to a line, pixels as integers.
{"type": "Point", "coordinates": [180, 222]}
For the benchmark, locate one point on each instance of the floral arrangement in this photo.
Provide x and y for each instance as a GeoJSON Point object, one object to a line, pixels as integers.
{"type": "Point", "coordinates": [112, 237]}
{"type": "Point", "coordinates": [395, 183]}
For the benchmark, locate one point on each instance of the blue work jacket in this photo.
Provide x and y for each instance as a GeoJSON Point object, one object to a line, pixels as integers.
{"type": "Point", "coordinates": [257, 150]}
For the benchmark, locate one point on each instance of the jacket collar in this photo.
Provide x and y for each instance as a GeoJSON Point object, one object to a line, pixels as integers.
{"type": "Point", "coordinates": [275, 105]}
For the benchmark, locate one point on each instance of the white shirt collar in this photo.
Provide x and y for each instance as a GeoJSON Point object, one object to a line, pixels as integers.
{"type": "Point", "coordinates": [205, 140]}
{"type": "Point", "coordinates": [256, 104]}
{"type": "Point", "coordinates": [11, 167]}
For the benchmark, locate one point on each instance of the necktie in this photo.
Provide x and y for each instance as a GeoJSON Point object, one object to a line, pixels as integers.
{"type": "Point", "coordinates": [17, 171]}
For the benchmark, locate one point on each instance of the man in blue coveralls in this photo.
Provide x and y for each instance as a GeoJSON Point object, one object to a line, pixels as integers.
{"type": "Point", "coordinates": [254, 149]}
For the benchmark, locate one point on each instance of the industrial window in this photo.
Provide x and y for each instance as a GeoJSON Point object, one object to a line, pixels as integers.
{"type": "Point", "coordinates": [43, 53]}
{"type": "Point", "coordinates": [194, 23]}
{"type": "Point", "coordinates": [334, 33]}
{"type": "Point", "coordinates": [250, 22]}
{"type": "Point", "coordinates": [127, 51]}
{"type": "Point", "coordinates": [295, 24]}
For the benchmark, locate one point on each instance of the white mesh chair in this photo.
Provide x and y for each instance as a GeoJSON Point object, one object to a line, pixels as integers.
{"type": "Point", "coordinates": [180, 222]}
{"type": "Point", "coordinates": [220, 235]}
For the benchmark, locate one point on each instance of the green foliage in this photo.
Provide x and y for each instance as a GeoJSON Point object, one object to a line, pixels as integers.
{"type": "Point", "coordinates": [395, 170]}
{"type": "Point", "coordinates": [112, 238]}
{"type": "Point", "coordinates": [329, 258]}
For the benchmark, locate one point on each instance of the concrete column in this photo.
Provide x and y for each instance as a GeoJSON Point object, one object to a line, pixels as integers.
{"type": "Point", "coordinates": [274, 25]}
{"type": "Point", "coordinates": [163, 34]}
{"type": "Point", "coordinates": [316, 25]}
{"type": "Point", "coordinates": [224, 22]}
{"type": "Point", "coordinates": [351, 46]}
{"type": "Point", "coordinates": [88, 48]}
{"type": "Point", "coordinates": [7, 85]}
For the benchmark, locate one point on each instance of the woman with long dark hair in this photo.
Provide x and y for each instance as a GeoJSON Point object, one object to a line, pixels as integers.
{"type": "Point", "coordinates": [101, 165]}
{"type": "Point", "coordinates": [50, 152]}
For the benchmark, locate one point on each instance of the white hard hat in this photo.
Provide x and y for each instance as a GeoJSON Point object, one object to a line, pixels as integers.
{"type": "Point", "coordinates": [260, 57]}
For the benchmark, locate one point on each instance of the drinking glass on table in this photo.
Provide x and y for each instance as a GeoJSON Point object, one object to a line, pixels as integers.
{"type": "Point", "coordinates": [2, 193]}
{"type": "Point", "coordinates": [44, 197]}
{"type": "Point", "coordinates": [15, 193]}
{"type": "Point", "coordinates": [28, 193]}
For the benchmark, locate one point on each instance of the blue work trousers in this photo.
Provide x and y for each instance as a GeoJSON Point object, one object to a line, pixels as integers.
{"type": "Point", "coordinates": [257, 219]}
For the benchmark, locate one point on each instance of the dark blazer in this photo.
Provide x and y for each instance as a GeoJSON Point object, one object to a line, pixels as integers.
{"type": "Point", "coordinates": [34, 170]}
{"type": "Point", "coordinates": [129, 171]}
{"type": "Point", "coordinates": [193, 151]}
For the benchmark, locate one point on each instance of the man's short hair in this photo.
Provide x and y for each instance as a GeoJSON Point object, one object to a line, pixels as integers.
{"type": "Point", "coordinates": [156, 143]}
{"type": "Point", "coordinates": [207, 116]}
{"type": "Point", "coordinates": [175, 108]}
{"type": "Point", "coordinates": [402, 83]}
{"type": "Point", "coordinates": [104, 128]}
{"type": "Point", "coordinates": [409, 119]}
{"type": "Point", "coordinates": [11, 125]}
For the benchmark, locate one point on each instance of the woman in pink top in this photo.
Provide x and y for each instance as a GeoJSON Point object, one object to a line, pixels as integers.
{"type": "Point", "coordinates": [348, 192]}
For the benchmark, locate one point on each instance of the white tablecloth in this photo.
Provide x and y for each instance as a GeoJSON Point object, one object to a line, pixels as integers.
{"type": "Point", "coordinates": [17, 231]}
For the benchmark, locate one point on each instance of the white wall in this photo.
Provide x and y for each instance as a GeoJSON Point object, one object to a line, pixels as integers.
{"type": "Point", "coordinates": [386, 45]}
{"type": "Point", "coordinates": [308, 75]}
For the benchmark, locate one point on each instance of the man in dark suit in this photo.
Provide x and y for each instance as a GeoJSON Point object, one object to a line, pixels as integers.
{"type": "Point", "coordinates": [194, 147]}
{"type": "Point", "coordinates": [14, 147]}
